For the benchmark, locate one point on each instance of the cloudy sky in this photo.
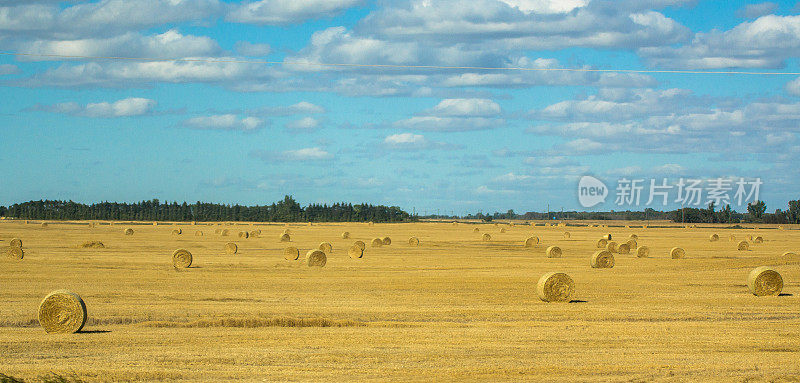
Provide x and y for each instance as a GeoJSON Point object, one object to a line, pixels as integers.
{"type": "Point", "coordinates": [502, 131]}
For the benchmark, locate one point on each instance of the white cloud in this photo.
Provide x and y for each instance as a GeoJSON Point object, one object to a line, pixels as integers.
{"type": "Point", "coordinates": [466, 108]}
{"type": "Point", "coordinates": [123, 108]}
{"type": "Point", "coordinates": [405, 139]}
{"type": "Point", "coordinates": [512, 178]}
{"type": "Point", "coordinates": [303, 124]}
{"type": "Point", "coordinates": [225, 122]}
{"type": "Point", "coordinates": [546, 6]}
{"type": "Point", "coordinates": [752, 11]}
{"type": "Point", "coordinates": [302, 107]}
{"type": "Point", "coordinates": [307, 154]}
{"type": "Point", "coordinates": [245, 48]}
{"type": "Point", "coordinates": [280, 12]}
{"type": "Point", "coordinates": [793, 87]}
{"type": "Point", "coordinates": [448, 124]}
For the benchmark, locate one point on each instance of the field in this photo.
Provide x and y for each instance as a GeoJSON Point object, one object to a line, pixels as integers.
{"type": "Point", "coordinates": [454, 308]}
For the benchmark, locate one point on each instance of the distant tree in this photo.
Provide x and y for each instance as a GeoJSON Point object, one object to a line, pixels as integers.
{"type": "Point", "coordinates": [756, 209]}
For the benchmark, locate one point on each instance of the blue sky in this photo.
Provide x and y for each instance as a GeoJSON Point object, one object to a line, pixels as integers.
{"type": "Point", "coordinates": [459, 140]}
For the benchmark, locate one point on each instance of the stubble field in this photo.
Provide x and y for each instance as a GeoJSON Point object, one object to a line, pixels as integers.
{"type": "Point", "coordinates": [453, 308]}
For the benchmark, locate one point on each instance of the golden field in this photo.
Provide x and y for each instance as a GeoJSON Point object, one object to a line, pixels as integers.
{"type": "Point", "coordinates": [455, 308]}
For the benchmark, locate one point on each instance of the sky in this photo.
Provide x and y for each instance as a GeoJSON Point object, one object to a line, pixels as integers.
{"type": "Point", "coordinates": [246, 117]}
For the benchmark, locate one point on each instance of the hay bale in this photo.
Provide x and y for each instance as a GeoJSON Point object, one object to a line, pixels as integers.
{"type": "Point", "coordinates": [15, 242]}
{"type": "Point", "coordinates": [531, 241]}
{"type": "Point", "coordinates": [62, 312]}
{"type": "Point", "coordinates": [607, 237]}
{"type": "Point", "coordinates": [632, 244]}
{"type": "Point", "coordinates": [743, 246]}
{"type": "Point", "coordinates": [218, 231]}
{"type": "Point", "coordinates": [386, 241]}
{"type": "Point", "coordinates": [713, 238]}
{"type": "Point", "coordinates": [128, 231]}
{"type": "Point", "coordinates": [555, 287]}
{"type": "Point", "coordinates": [789, 254]}
{"type": "Point", "coordinates": [287, 231]}
{"type": "Point", "coordinates": [15, 253]}
{"type": "Point", "coordinates": [224, 232]}
{"type": "Point", "coordinates": [413, 241]}
{"type": "Point", "coordinates": [244, 234]}
{"type": "Point", "coordinates": [231, 248]}
{"type": "Point", "coordinates": [601, 243]}
{"type": "Point", "coordinates": [346, 235]}
{"type": "Point", "coordinates": [758, 239]}
{"type": "Point", "coordinates": [643, 252]}
{"type": "Point", "coordinates": [181, 259]}
{"type": "Point", "coordinates": [371, 223]}
{"type": "Point", "coordinates": [44, 225]}
{"type": "Point", "coordinates": [612, 247]}
{"type": "Point", "coordinates": [285, 238]}
{"type": "Point", "coordinates": [177, 232]}
{"type": "Point", "coordinates": [677, 253]}
{"type": "Point", "coordinates": [602, 259]}
{"type": "Point", "coordinates": [291, 253]}
{"type": "Point", "coordinates": [502, 229]}
{"type": "Point", "coordinates": [476, 230]}
{"type": "Point", "coordinates": [486, 237]}
{"type": "Point", "coordinates": [326, 247]}
{"type": "Point", "coordinates": [92, 245]}
{"type": "Point", "coordinates": [316, 258]}
{"type": "Point", "coordinates": [254, 234]}
{"type": "Point", "coordinates": [566, 235]}
{"type": "Point", "coordinates": [361, 245]}
{"type": "Point", "coordinates": [553, 252]}
{"type": "Point", "coordinates": [355, 252]}
{"type": "Point", "coordinates": [198, 233]}
{"type": "Point", "coordinates": [633, 236]}
{"type": "Point", "coordinates": [623, 248]}
{"type": "Point", "coordinates": [377, 242]}
{"type": "Point", "coordinates": [764, 281]}
{"type": "Point", "coordinates": [732, 238]}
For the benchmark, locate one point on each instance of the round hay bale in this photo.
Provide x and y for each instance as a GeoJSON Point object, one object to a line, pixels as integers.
{"type": "Point", "coordinates": [285, 238]}
{"type": "Point", "coordinates": [677, 253]}
{"type": "Point", "coordinates": [758, 239]}
{"type": "Point", "coordinates": [287, 231]}
{"type": "Point", "coordinates": [128, 231]}
{"type": "Point", "coordinates": [632, 244]}
{"type": "Point", "coordinates": [612, 247]}
{"type": "Point", "coordinates": [743, 246]}
{"type": "Point", "coordinates": [633, 236]}
{"type": "Point", "coordinates": [361, 245]}
{"type": "Point", "coordinates": [602, 259]}
{"type": "Point", "coordinates": [607, 237]}
{"type": "Point", "coordinates": [44, 225]}
{"type": "Point", "coordinates": [566, 235]}
{"type": "Point", "coordinates": [713, 238]}
{"type": "Point", "coordinates": [316, 258]}
{"type": "Point", "coordinates": [62, 312]}
{"type": "Point", "coordinates": [601, 243]}
{"type": "Point", "coordinates": [377, 242]}
{"type": "Point", "coordinates": [244, 234]}
{"type": "Point", "coordinates": [789, 254]}
{"type": "Point", "coordinates": [92, 245]}
{"type": "Point", "coordinates": [555, 287]}
{"type": "Point", "coordinates": [231, 248]}
{"type": "Point", "coordinates": [455, 223]}
{"type": "Point", "coordinates": [326, 247]}
{"type": "Point", "coordinates": [291, 253]}
{"type": "Point", "coordinates": [413, 241]}
{"type": "Point", "coordinates": [225, 232]}
{"type": "Point", "coordinates": [553, 252]}
{"type": "Point", "coordinates": [764, 281]}
{"type": "Point", "coordinates": [623, 248]}
{"type": "Point", "coordinates": [15, 242]}
{"type": "Point", "coordinates": [218, 231]}
{"type": "Point", "coordinates": [486, 237]}
{"type": "Point", "coordinates": [181, 259]}
{"type": "Point", "coordinates": [177, 232]}
{"type": "Point", "coordinates": [502, 229]}
{"type": "Point", "coordinates": [15, 253]}
{"type": "Point", "coordinates": [531, 241]}
{"type": "Point", "coordinates": [371, 223]}
{"type": "Point", "coordinates": [346, 235]}
{"type": "Point", "coordinates": [198, 233]}
{"type": "Point", "coordinates": [386, 241]}
{"type": "Point", "coordinates": [254, 234]}
{"type": "Point", "coordinates": [355, 252]}
{"type": "Point", "coordinates": [643, 252]}
{"type": "Point", "coordinates": [476, 230]}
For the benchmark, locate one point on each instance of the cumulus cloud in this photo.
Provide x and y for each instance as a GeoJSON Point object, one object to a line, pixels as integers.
{"type": "Point", "coordinates": [123, 108]}
{"type": "Point", "coordinates": [281, 12]}
{"type": "Point", "coordinates": [305, 124]}
{"type": "Point", "coordinates": [456, 115]}
{"type": "Point", "coordinates": [303, 155]}
{"type": "Point", "coordinates": [466, 108]}
{"type": "Point", "coordinates": [302, 107]}
{"type": "Point", "coordinates": [230, 122]}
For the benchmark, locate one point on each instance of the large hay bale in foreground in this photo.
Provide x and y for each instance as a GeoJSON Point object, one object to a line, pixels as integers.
{"type": "Point", "coordinates": [285, 238]}
{"type": "Point", "coordinates": [316, 258]}
{"type": "Point", "coordinates": [386, 241]}
{"type": "Point", "coordinates": [326, 247]}
{"type": "Point", "coordinates": [713, 238]}
{"type": "Point", "coordinates": [601, 243]}
{"type": "Point", "coordinates": [677, 253]}
{"type": "Point", "coordinates": [602, 259]}
{"type": "Point", "coordinates": [566, 235]}
{"type": "Point", "coordinates": [486, 237]}
{"type": "Point", "coordinates": [612, 246]}
{"type": "Point", "coordinates": [758, 239]}
{"type": "Point", "coordinates": [177, 232]}
{"type": "Point", "coordinates": [553, 252]}
{"type": "Point", "coordinates": [346, 235]}
{"type": "Point", "coordinates": [743, 246]}
{"type": "Point", "coordinates": [413, 241]}
{"type": "Point", "coordinates": [231, 248]}
{"type": "Point", "coordinates": [764, 281]}
{"type": "Point", "coordinates": [377, 242]}
{"type": "Point", "coordinates": [128, 231]}
{"type": "Point", "coordinates": [643, 252]}
{"type": "Point", "coordinates": [623, 248]}
{"type": "Point", "coordinates": [15, 253]}
{"type": "Point", "coordinates": [181, 259]}
{"type": "Point", "coordinates": [355, 252]}
{"type": "Point", "coordinates": [291, 253]}
{"type": "Point", "coordinates": [62, 312]}
{"type": "Point", "coordinates": [555, 287]}
{"type": "Point", "coordinates": [15, 242]}
{"type": "Point", "coordinates": [361, 245]}
{"type": "Point", "coordinates": [531, 241]}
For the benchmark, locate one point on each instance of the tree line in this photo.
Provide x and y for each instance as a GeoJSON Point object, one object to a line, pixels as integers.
{"type": "Point", "coordinates": [756, 212]}
{"type": "Point", "coordinates": [287, 210]}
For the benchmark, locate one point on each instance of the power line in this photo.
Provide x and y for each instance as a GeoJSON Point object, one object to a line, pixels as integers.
{"type": "Point", "coordinates": [395, 66]}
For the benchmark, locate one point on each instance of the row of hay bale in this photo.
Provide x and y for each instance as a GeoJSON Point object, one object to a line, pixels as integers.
{"type": "Point", "coordinates": [14, 250]}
